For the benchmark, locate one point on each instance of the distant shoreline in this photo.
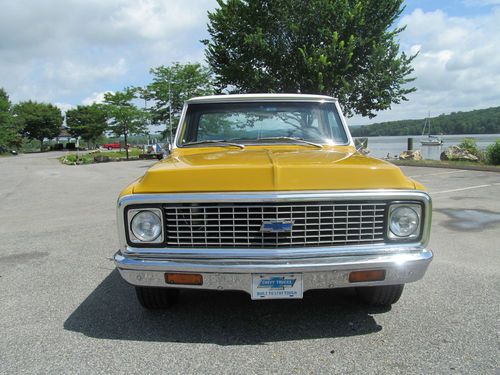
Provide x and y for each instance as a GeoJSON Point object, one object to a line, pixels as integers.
{"type": "Point", "coordinates": [479, 121]}
{"type": "Point", "coordinates": [423, 136]}
{"type": "Point", "coordinates": [382, 146]}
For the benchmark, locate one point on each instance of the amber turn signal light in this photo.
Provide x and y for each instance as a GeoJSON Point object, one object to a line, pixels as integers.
{"type": "Point", "coordinates": [371, 275]}
{"type": "Point", "coordinates": [184, 278]}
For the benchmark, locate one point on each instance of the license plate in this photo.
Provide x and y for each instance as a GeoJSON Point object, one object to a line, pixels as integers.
{"type": "Point", "coordinates": [275, 286]}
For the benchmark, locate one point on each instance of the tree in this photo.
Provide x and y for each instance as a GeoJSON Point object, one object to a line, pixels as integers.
{"type": "Point", "coordinates": [344, 48]}
{"type": "Point", "coordinates": [124, 117]}
{"type": "Point", "coordinates": [176, 83]}
{"type": "Point", "coordinates": [88, 122]}
{"type": "Point", "coordinates": [38, 120]}
{"type": "Point", "coordinates": [9, 133]}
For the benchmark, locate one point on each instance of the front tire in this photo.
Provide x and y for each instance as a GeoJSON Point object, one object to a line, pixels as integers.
{"type": "Point", "coordinates": [156, 298]}
{"type": "Point", "coordinates": [384, 295]}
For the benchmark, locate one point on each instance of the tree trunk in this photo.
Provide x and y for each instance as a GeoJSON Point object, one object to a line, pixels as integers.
{"type": "Point", "coordinates": [41, 145]}
{"type": "Point", "coordinates": [126, 148]}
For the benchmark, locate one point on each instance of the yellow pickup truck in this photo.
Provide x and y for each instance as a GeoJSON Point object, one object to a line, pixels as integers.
{"type": "Point", "coordinates": [267, 194]}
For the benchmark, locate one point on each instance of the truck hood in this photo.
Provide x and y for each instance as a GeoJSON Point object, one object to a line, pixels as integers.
{"type": "Point", "coordinates": [270, 169]}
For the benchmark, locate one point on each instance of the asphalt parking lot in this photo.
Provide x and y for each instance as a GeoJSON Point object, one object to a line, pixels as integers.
{"type": "Point", "coordinates": [64, 309]}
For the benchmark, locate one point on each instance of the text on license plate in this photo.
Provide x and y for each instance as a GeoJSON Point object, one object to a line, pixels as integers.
{"type": "Point", "coordinates": [274, 286]}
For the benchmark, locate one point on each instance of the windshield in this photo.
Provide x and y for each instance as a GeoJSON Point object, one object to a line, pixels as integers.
{"type": "Point", "coordinates": [265, 122]}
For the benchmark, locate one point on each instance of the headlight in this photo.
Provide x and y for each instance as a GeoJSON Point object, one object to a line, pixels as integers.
{"type": "Point", "coordinates": [146, 225]}
{"type": "Point", "coordinates": [404, 221]}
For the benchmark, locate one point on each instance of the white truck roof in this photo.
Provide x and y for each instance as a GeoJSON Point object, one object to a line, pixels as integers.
{"type": "Point", "coordinates": [260, 97]}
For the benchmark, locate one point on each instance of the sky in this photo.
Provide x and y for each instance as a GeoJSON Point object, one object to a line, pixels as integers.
{"type": "Point", "coordinates": [70, 52]}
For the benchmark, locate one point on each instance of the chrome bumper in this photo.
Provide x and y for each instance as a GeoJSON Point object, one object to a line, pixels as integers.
{"type": "Point", "coordinates": [236, 274]}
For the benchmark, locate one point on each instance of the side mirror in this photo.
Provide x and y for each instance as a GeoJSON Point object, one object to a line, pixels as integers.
{"type": "Point", "coordinates": [166, 150]}
{"type": "Point", "coordinates": [361, 145]}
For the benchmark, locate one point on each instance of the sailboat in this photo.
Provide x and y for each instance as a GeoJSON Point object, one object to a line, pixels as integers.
{"type": "Point", "coordinates": [431, 140]}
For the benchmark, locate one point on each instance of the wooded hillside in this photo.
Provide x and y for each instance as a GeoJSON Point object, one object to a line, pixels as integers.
{"type": "Point", "coordinates": [481, 121]}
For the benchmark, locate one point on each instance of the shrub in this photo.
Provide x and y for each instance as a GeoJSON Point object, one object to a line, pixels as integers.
{"type": "Point", "coordinates": [493, 153]}
{"type": "Point", "coordinates": [71, 158]}
{"type": "Point", "coordinates": [469, 144]}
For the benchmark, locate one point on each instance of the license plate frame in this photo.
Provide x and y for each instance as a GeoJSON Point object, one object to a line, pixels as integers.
{"type": "Point", "coordinates": [277, 286]}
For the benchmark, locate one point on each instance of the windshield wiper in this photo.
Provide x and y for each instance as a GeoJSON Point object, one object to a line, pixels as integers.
{"type": "Point", "coordinates": [293, 139]}
{"type": "Point", "coordinates": [220, 143]}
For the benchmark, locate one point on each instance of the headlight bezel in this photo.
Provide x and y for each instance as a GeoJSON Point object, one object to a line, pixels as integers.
{"type": "Point", "coordinates": [417, 235]}
{"type": "Point", "coordinates": [131, 213]}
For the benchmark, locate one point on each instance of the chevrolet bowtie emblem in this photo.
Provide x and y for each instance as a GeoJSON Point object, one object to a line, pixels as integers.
{"type": "Point", "coordinates": [276, 226]}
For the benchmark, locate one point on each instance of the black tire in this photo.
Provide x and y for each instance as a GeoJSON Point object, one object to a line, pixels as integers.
{"type": "Point", "coordinates": [384, 295]}
{"type": "Point", "coordinates": [110, 148]}
{"type": "Point", "coordinates": [156, 298]}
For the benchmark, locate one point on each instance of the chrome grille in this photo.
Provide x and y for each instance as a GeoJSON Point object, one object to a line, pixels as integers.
{"type": "Point", "coordinates": [239, 224]}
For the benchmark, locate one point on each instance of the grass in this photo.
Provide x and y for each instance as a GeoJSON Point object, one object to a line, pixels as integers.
{"type": "Point", "coordinates": [447, 164]}
{"type": "Point", "coordinates": [88, 158]}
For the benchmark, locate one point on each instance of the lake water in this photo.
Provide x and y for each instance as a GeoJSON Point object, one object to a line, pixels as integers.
{"type": "Point", "coordinates": [381, 146]}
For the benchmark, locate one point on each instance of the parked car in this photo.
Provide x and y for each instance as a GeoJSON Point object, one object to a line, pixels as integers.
{"type": "Point", "coordinates": [113, 146]}
{"type": "Point", "coordinates": [267, 194]}
{"type": "Point", "coordinates": [4, 150]}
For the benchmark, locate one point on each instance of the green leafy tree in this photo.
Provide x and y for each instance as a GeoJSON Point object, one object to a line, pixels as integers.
{"type": "Point", "coordinates": [124, 116]}
{"type": "Point", "coordinates": [175, 84]}
{"type": "Point", "coordinates": [9, 132]}
{"type": "Point", "coordinates": [38, 120]}
{"type": "Point", "coordinates": [344, 48]}
{"type": "Point", "coordinates": [88, 122]}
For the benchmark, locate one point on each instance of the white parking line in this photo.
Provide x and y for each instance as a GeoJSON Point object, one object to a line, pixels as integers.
{"type": "Point", "coordinates": [466, 188]}
{"type": "Point", "coordinates": [440, 173]}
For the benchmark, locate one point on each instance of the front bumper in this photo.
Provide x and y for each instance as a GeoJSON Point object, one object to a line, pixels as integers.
{"type": "Point", "coordinates": [236, 274]}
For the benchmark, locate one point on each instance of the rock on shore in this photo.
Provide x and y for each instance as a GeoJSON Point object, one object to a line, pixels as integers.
{"type": "Point", "coordinates": [410, 155]}
{"type": "Point", "coordinates": [457, 153]}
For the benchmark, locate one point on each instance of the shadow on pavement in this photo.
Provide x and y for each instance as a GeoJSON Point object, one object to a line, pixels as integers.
{"type": "Point", "coordinates": [224, 318]}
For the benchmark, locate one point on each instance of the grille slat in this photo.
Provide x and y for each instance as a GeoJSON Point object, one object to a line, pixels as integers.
{"type": "Point", "coordinates": [214, 216]}
{"type": "Point", "coordinates": [201, 231]}
{"type": "Point", "coordinates": [239, 224]}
